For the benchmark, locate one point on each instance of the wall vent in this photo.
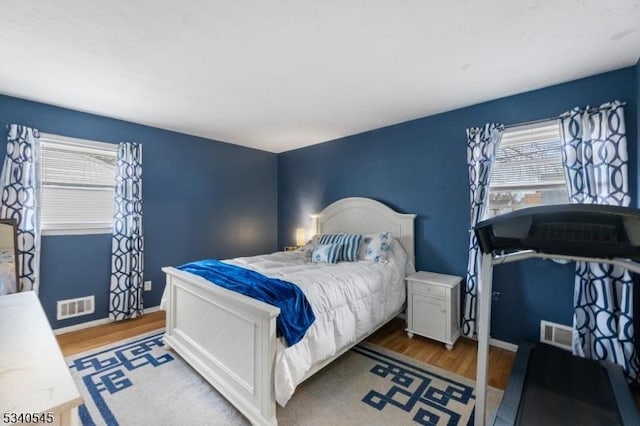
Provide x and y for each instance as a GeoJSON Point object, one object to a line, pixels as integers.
{"type": "Point", "coordinates": [75, 307]}
{"type": "Point", "coordinates": [556, 334]}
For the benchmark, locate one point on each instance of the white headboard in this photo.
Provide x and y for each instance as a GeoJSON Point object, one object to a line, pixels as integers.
{"type": "Point", "coordinates": [366, 216]}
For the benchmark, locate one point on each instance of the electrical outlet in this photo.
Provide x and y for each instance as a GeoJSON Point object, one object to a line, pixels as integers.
{"type": "Point", "coordinates": [147, 286]}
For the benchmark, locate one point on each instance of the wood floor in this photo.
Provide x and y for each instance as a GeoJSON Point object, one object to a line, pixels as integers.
{"type": "Point", "coordinates": [94, 337]}
{"type": "Point", "coordinates": [461, 360]}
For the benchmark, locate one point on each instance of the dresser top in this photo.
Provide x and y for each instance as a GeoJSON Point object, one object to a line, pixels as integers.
{"type": "Point", "coordinates": [34, 378]}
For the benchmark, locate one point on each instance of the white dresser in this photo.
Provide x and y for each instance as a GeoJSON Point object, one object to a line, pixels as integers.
{"type": "Point", "coordinates": [36, 386]}
{"type": "Point", "coordinates": [433, 302]}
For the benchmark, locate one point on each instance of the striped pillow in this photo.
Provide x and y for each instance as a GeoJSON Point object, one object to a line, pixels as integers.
{"type": "Point", "coordinates": [350, 244]}
{"type": "Point", "coordinates": [326, 253]}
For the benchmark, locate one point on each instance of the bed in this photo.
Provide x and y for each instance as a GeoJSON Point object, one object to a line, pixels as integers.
{"type": "Point", "coordinates": [230, 339]}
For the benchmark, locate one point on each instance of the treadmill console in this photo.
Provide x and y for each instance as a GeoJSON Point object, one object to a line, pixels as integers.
{"type": "Point", "coordinates": [585, 230]}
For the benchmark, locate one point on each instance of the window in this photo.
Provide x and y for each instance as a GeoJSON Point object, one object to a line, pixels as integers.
{"type": "Point", "coordinates": [527, 170]}
{"type": "Point", "coordinates": [78, 180]}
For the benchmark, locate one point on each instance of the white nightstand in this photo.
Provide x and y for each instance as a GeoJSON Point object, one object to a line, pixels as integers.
{"type": "Point", "coordinates": [433, 302]}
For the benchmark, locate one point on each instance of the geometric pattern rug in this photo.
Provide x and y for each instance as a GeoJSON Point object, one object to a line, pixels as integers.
{"type": "Point", "coordinates": [139, 382]}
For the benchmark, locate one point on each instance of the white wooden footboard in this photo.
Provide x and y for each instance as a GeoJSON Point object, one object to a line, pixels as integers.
{"type": "Point", "coordinates": [230, 339]}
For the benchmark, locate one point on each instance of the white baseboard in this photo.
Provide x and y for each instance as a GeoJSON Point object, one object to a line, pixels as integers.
{"type": "Point", "coordinates": [503, 345]}
{"type": "Point", "coordinates": [88, 324]}
{"type": "Point", "coordinates": [499, 344]}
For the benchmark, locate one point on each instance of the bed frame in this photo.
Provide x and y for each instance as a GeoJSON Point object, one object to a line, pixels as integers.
{"type": "Point", "coordinates": [230, 339]}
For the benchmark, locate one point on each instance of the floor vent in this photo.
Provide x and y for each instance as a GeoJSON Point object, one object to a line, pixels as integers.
{"type": "Point", "coordinates": [75, 307]}
{"type": "Point", "coordinates": [556, 334]}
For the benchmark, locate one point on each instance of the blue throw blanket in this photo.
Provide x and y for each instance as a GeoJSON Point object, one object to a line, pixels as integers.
{"type": "Point", "coordinates": [296, 315]}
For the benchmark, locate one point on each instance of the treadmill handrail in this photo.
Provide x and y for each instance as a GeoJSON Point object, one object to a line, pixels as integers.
{"type": "Point", "coordinates": [499, 259]}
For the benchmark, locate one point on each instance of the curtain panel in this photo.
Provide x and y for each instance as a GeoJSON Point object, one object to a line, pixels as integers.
{"type": "Point", "coordinates": [20, 182]}
{"type": "Point", "coordinates": [127, 246]}
{"type": "Point", "coordinates": [482, 144]}
{"type": "Point", "coordinates": [595, 158]}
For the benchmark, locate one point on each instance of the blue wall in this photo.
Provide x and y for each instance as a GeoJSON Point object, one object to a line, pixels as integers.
{"type": "Point", "coordinates": [420, 167]}
{"type": "Point", "coordinates": [202, 198]}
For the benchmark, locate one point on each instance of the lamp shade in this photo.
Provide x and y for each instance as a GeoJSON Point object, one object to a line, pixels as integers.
{"type": "Point", "coordinates": [301, 237]}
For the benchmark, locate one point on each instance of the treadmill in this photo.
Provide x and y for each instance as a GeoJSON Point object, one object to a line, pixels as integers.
{"type": "Point", "coordinates": [548, 385]}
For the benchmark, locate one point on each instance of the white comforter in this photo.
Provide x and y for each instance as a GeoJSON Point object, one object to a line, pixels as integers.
{"type": "Point", "coordinates": [349, 299]}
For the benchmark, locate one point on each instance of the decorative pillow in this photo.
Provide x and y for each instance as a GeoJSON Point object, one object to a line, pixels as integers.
{"type": "Point", "coordinates": [307, 249]}
{"type": "Point", "coordinates": [375, 247]}
{"type": "Point", "coordinates": [350, 244]}
{"type": "Point", "coordinates": [327, 253]}
{"type": "Point", "coordinates": [331, 238]}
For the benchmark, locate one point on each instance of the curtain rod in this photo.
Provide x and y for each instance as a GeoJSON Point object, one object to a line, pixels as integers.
{"type": "Point", "coordinates": [566, 114]}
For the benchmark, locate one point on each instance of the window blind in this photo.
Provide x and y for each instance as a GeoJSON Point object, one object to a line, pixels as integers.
{"type": "Point", "coordinates": [529, 156]}
{"type": "Point", "coordinates": [78, 179]}
{"type": "Point", "coordinates": [527, 170]}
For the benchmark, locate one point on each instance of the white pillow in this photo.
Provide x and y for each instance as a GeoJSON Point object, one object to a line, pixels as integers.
{"type": "Point", "coordinates": [307, 249]}
{"type": "Point", "coordinates": [375, 247]}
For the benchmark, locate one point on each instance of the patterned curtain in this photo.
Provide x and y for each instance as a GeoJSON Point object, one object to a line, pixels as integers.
{"type": "Point", "coordinates": [127, 247]}
{"type": "Point", "coordinates": [20, 181]}
{"type": "Point", "coordinates": [595, 159]}
{"type": "Point", "coordinates": [482, 144]}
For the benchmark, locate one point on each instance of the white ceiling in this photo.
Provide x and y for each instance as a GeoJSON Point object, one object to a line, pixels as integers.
{"type": "Point", "coordinates": [278, 75]}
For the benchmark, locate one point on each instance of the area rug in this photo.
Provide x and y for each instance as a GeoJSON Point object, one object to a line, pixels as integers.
{"type": "Point", "coordinates": [139, 382]}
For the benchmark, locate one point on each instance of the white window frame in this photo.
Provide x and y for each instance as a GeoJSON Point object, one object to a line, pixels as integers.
{"type": "Point", "coordinates": [544, 132]}
{"type": "Point", "coordinates": [78, 228]}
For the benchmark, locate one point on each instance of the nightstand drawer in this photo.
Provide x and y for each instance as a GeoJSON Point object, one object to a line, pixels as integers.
{"type": "Point", "coordinates": [428, 290]}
